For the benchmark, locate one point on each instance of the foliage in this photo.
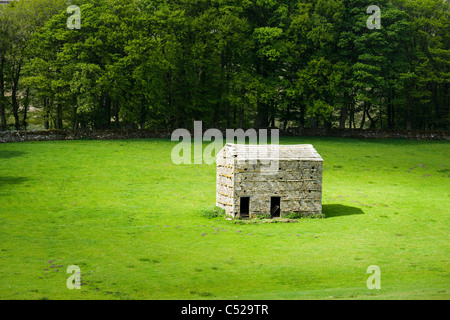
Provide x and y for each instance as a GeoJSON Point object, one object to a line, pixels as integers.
{"type": "Point", "coordinates": [161, 64]}
{"type": "Point", "coordinates": [294, 215]}
{"type": "Point", "coordinates": [213, 213]}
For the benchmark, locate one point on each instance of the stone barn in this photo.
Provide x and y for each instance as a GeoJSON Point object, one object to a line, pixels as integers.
{"type": "Point", "coordinates": [268, 180]}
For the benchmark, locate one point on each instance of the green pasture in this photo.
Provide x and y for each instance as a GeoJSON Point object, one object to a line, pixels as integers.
{"type": "Point", "coordinates": [133, 222]}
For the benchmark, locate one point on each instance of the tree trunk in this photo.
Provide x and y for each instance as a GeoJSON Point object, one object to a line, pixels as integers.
{"type": "Point", "coordinates": [286, 117]}
{"type": "Point", "coordinates": [216, 115]}
{"type": "Point", "coordinates": [2, 95]}
{"type": "Point", "coordinates": [116, 115]}
{"type": "Point", "coordinates": [2, 114]}
{"type": "Point", "coordinates": [241, 117]}
{"type": "Point", "coordinates": [257, 123]}
{"type": "Point", "coordinates": [351, 122]}
{"type": "Point", "coordinates": [26, 105]}
{"type": "Point", "coordinates": [313, 122]}
{"type": "Point", "coordinates": [409, 105]}
{"type": "Point", "coordinates": [262, 116]}
{"type": "Point", "coordinates": [343, 117]}
{"type": "Point", "coordinates": [326, 124]}
{"type": "Point", "coordinates": [363, 120]}
{"type": "Point", "coordinates": [389, 112]}
{"type": "Point", "coordinates": [344, 111]}
{"type": "Point", "coordinates": [59, 116]}
{"type": "Point", "coordinates": [143, 112]}
{"type": "Point", "coordinates": [15, 108]}
{"type": "Point", "coordinates": [373, 121]}
{"type": "Point", "coordinates": [381, 118]}
{"type": "Point", "coordinates": [14, 101]}
{"type": "Point", "coordinates": [75, 119]}
{"type": "Point", "coordinates": [302, 115]}
{"type": "Point", "coordinates": [46, 114]}
{"type": "Point", "coordinates": [271, 120]}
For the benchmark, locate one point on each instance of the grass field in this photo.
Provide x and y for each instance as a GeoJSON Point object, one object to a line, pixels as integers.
{"type": "Point", "coordinates": [132, 221]}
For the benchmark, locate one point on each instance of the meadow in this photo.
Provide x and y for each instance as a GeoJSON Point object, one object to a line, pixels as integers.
{"type": "Point", "coordinates": [133, 222]}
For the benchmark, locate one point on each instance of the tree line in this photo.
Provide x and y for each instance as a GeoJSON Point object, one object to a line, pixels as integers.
{"type": "Point", "coordinates": [229, 63]}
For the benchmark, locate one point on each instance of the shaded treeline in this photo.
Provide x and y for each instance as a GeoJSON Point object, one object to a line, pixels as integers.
{"type": "Point", "coordinates": [229, 63]}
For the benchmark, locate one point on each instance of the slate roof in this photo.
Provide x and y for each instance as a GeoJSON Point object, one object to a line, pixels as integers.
{"type": "Point", "coordinates": [272, 152]}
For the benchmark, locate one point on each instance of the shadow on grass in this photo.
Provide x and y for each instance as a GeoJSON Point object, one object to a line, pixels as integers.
{"type": "Point", "coordinates": [7, 181]}
{"type": "Point", "coordinates": [338, 210]}
{"type": "Point", "coordinates": [7, 154]}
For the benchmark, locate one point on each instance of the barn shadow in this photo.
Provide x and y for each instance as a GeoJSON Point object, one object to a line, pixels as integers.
{"type": "Point", "coordinates": [339, 210]}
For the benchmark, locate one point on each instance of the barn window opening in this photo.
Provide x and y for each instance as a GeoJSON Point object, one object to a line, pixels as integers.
{"type": "Point", "coordinates": [245, 207]}
{"type": "Point", "coordinates": [275, 203]}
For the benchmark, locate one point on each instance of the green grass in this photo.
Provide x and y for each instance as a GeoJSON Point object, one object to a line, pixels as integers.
{"type": "Point", "coordinates": [136, 226]}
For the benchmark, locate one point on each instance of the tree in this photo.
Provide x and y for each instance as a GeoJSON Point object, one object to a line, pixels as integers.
{"type": "Point", "coordinates": [19, 20]}
{"type": "Point", "coordinates": [228, 63]}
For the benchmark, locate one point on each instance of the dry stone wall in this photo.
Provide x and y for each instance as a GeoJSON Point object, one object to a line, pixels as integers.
{"type": "Point", "coordinates": [53, 135]}
{"type": "Point", "coordinates": [50, 135]}
{"type": "Point", "coordinates": [297, 183]}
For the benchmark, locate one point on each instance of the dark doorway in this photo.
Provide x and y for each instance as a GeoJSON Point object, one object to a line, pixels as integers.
{"type": "Point", "coordinates": [275, 203]}
{"type": "Point", "coordinates": [245, 207]}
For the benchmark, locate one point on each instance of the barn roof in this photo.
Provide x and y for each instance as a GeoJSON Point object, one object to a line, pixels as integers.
{"type": "Point", "coordinates": [272, 152]}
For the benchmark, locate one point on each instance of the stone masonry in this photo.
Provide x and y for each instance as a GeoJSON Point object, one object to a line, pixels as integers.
{"type": "Point", "coordinates": [270, 180]}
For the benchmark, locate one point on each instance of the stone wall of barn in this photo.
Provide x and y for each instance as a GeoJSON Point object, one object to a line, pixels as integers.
{"type": "Point", "coordinates": [225, 182]}
{"type": "Point", "coordinates": [297, 182]}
